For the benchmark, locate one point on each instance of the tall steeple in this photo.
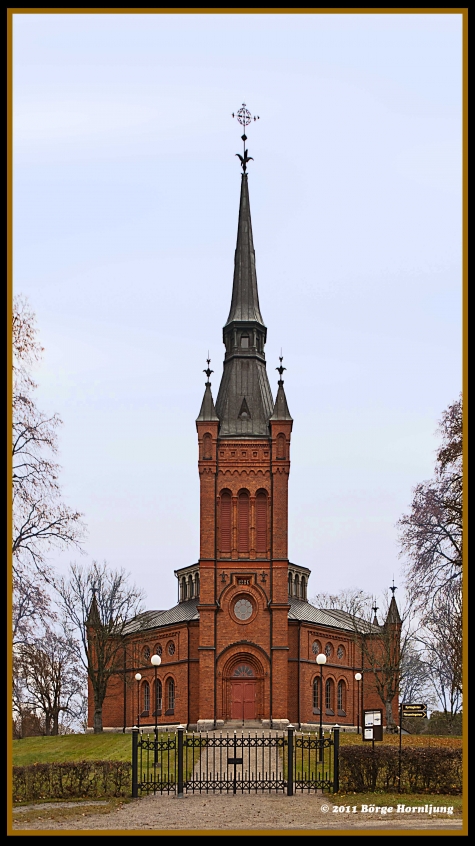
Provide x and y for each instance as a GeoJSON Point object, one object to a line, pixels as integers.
{"type": "Point", "coordinates": [245, 299]}
{"type": "Point", "coordinates": [244, 403]}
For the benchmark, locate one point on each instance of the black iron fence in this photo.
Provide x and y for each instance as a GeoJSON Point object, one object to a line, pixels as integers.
{"type": "Point", "coordinates": [210, 762]}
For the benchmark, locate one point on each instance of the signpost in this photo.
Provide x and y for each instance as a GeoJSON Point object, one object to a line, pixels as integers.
{"type": "Point", "coordinates": [407, 709]}
{"type": "Point", "coordinates": [413, 710]}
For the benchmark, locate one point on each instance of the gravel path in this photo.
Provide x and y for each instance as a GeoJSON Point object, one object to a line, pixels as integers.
{"type": "Point", "coordinates": [237, 813]}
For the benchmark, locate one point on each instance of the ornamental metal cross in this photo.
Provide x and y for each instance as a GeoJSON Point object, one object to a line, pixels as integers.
{"type": "Point", "coordinates": [208, 371]}
{"type": "Point", "coordinates": [244, 117]}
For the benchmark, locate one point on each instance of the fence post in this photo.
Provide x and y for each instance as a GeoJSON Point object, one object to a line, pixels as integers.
{"type": "Point", "coordinates": [135, 785]}
{"type": "Point", "coordinates": [180, 761]}
{"type": "Point", "coordinates": [290, 760]}
{"type": "Point", "coordinates": [336, 760]}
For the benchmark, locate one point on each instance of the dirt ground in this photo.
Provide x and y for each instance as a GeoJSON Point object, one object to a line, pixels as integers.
{"type": "Point", "coordinates": [227, 815]}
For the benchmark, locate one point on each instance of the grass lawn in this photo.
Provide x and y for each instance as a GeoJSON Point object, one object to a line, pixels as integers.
{"type": "Point", "coordinates": [72, 747]}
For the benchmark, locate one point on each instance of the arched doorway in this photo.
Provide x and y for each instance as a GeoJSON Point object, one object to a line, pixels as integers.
{"type": "Point", "coordinates": [243, 693]}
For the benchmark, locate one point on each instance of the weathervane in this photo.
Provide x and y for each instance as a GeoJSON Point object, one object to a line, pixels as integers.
{"type": "Point", "coordinates": [208, 371]}
{"type": "Point", "coordinates": [281, 369]}
{"type": "Point", "coordinates": [244, 117]}
{"type": "Point", "coordinates": [393, 587]}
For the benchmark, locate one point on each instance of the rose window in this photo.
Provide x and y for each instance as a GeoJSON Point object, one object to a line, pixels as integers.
{"type": "Point", "coordinates": [243, 609]}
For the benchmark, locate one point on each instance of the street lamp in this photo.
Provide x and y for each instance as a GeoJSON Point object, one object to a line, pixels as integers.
{"type": "Point", "coordinates": [138, 676]}
{"type": "Point", "coordinates": [321, 660]}
{"type": "Point", "coordinates": [156, 661]}
{"type": "Point", "coordinates": [358, 678]}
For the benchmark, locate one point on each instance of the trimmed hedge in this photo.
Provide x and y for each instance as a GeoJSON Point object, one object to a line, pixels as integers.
{"type": "Point", "coordinates": [72, 780]}
{"type": "Point", "coordinates": [423, 769]}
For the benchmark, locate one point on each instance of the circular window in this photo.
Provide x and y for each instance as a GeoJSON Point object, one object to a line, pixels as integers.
{"type": "Point", "coordinates": [171, 648]}
{"type": "Point", "coordinates": [340, 652]}
{"type": "Point", "coordinates": [328, 650]}
{"type": "Point", "coordinates": [146, 653]}
{"type": "Point", "coordinates": [158, 649]}
{"type": "Point", "coordinates": [243, 609]}
{"type": "Point", "coordinates": [316, 648]}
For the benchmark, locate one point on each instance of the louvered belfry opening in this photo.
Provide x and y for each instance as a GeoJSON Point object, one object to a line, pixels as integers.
{"type": "Point", "coordinates": [226, 522]}
{"type": "Point", "coordinates": [243, 523]}
{"type": "Point", "coordinates": [261, 523]}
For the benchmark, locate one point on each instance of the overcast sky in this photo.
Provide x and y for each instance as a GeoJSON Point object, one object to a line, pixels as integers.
{"type": "Point", "coordinates": [126, 193]}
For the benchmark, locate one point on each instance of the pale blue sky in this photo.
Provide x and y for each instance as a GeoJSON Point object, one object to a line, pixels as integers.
{"type": "Point", "coordinates": [126, 191]}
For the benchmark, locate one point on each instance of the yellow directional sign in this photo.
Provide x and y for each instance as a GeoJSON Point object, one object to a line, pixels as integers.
{"type": "Point", "coordinates": [410, 710]}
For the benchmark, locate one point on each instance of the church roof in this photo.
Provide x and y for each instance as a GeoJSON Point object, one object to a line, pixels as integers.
{"type": "Point", "coordinates": [332, 617]}
{"type": "Point", "coordinates": [300, 610]}
{"type": "Point", "coordinates": [181, 613]}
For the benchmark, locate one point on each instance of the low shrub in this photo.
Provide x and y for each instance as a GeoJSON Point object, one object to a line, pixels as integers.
{"type": "Point", "coordinates": [423, 769]}
{"type": "Point", "coordinates": [71, 780]}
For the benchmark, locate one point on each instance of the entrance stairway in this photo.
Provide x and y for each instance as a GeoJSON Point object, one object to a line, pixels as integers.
{"type": "Point", "coordinates": [239, 725]}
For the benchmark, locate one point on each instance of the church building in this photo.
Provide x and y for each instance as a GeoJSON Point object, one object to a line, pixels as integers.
{"type": "Point", "coordinates": [240, 645]}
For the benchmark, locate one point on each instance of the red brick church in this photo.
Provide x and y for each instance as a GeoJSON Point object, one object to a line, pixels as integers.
{"type": "Point", "coordinates": [241, 643]}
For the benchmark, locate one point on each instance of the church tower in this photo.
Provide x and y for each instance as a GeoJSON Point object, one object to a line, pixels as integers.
{"type": "Point", "coordinates": [244, 463]}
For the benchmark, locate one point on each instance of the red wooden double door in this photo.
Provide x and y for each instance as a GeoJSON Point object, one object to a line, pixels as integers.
{"type": "Point", "coordinates": [243, 699]}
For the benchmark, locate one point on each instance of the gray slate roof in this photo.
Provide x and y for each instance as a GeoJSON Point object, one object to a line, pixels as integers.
{"type": "Point", "coordinates": [299, 610]}
{"type": "Point", "coordinates": [181, 613]}
{"type": "Point", "coordinates": [305, 612]}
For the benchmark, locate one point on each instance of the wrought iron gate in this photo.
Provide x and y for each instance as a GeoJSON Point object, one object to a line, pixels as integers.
{"type": "Point", "coordinates": [211, 762]}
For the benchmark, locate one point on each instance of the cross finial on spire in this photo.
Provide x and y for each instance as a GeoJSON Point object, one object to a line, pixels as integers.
{"type": "Point", "coordinates": [393, 587]}
{"type": "Point", "coordinates": [208, 371]}
{"type": "Point", "coordinates": [281, 369]}
{"type": "Point", "coordinates": [244, 117]}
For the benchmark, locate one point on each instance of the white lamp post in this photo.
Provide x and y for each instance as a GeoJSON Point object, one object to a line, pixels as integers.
{"type": "Point", "coordinates": [138, 676]}
{"type": "Point", "coordinates": [156, 661]}
{"type": "Point", "coordinates": [321, 660]}
{"type": "Point", "coordinates": [358, 678]}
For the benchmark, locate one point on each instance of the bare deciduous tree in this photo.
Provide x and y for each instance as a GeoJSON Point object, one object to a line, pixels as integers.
{"type": "Point", "coordinates": [97, 604]}
{"type": "Point", "coordinates": [41, 520]}
{"type": "Point", "coordinates": [431, 534]}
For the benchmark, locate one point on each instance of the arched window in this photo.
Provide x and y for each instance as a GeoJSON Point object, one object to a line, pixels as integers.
{"type": "Point", "coordinates": [329, 695]}
{"type": "Point", "coordinates": [146, 697]}
{"type": "Point", "coordinates": [341, 696]}
{"type": "Point", "coordinates": [316, 694]}
{"type": "Point", "coordinates": [190, 587]}
{"type": "Point", "coordinates": [243, 522]}
{"type": "Point", "coordinates": [183, 590]}
{"type": "Point", "coordinates": [280, 446]}
{"type": "Point", "coordinates": [290, 584]}
{"type": "Point", "coordinates": [296, 585]}
{"type": "Point", "coordinates": [158, 696]}
{"type": "Point", "coordinates": [197, 585]}
{"type": "Point", "coordinates": [261, 523]}
{"type": "Point", "coordinates": [207, 445]}
{"type": "Point", "coordinates": [170, 695]}
{"type": "Point", "coordinates": [303, 588]}
{"type": "Point", "coordinates": [226, 522]}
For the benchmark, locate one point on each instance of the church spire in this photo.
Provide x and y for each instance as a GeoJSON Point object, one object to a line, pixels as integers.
{"type": "Point", "coordinates": [207, 410]}
{"type": "Point", "coordinates": [281, 409]}
{"type": "Point", "coordinates": [245, 298]}
{"type": "Point", "coordinates": [244, 403]}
